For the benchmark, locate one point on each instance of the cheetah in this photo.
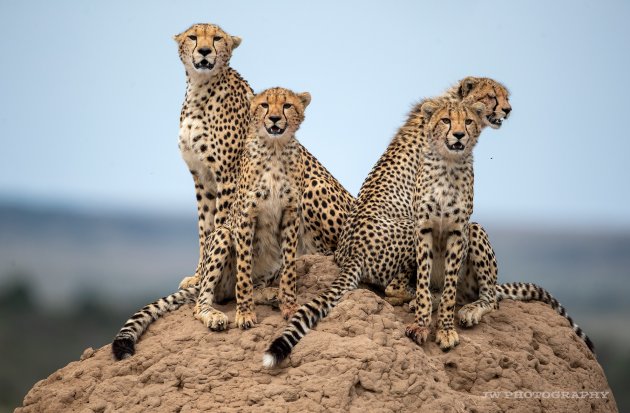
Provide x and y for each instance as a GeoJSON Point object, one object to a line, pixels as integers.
{"type": "Point", "coordinates": [474, 288]}
{"type": "Point", "coordinates": [260, 236]}
{"type": "Point", "coordinates": [443, 204]}
{"type": "Point", "coordinates": [213, 123]}
{"type": "Point", "coordinates": [263, 229]}
{"type": "Point", "coordinates": [377, 243]}
{"type": "Point", "coordinates": [213, 126]}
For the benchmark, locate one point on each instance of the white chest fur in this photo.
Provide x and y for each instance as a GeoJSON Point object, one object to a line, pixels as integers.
{"type": "Point", "coordinates": [275, 189]}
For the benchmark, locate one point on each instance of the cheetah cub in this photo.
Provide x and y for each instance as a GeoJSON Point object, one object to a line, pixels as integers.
{"type": "Point", "coordinates": [263, 230]}
{"type": "Point", "coordinates": [259, 240]}
{"type": "Point", "coordinates": [443, 204]}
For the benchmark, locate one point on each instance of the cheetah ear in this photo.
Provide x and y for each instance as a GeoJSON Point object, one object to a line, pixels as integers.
{"type": "Point", "coordinates": [178, 37]}
{"type": "Point", "coordinates": [479, 108]}
{"type": "Point", "coordinates": [466, 86]}
{"type": "Point", "coordinates": [428, 109]}
{"type": "Point", "coordinates": [236, 41]}
{"type": "Point", "coordinates": [305, 98]}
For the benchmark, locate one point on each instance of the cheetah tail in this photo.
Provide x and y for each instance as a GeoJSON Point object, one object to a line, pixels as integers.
{"type": "Point", "coordinates": [309, 314]}
{"type": "Point", "coordinates": [533, 292]}
{"type": "Point", "coordinates": [125, 341]}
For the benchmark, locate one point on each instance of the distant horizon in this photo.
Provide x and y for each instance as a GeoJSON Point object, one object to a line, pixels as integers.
{"type": "Point", "coordinates": [87, 207]}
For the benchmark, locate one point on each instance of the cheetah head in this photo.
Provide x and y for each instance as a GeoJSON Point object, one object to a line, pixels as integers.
{"type": "Point", "coordinates": [492, 94]}
{"type": "Point", "coordinates": [205, 49]}
{"type": "Point", "coordinates": [452, 128]}
{"type": "Point", "coordinates": [277, 113]}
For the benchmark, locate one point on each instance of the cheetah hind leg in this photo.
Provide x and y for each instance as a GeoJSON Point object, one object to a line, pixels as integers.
{"type": "Point", "coordinates": [471, 313]}
{"type": "Point", "coordinates": [216, 267]}
{"type": "Point", "coordinates": [267, 296]}
{"type": "Point", "coordinates": [399, 290]}
{"type": "Point", "coordinates": [480, 278]}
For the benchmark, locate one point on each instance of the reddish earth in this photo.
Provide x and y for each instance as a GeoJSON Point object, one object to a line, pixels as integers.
{"type": "Point", "coordinates": [358, 359]}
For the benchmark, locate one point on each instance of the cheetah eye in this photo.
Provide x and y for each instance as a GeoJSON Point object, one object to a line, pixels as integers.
{"type": "Point", "coordinates": [287, 106]}
{"type": "Point", "coordinates": [192, 37]}
{"type": "Point", "coordinates": [468, 121]}
{"type": "Point", "coordinates": [217, 38]}
{"type": "Point", "coordinates": [446, 120]}
{"type": "Point", "coordinates": [264, 105]}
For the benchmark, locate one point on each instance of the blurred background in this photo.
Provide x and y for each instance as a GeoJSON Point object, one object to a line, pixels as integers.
{"type": "Point", "coordinates": [97, 209]}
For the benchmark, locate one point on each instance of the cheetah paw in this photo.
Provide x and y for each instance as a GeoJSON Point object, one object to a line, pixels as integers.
{"type": "Point", "coordinates": [446, 339]}
{"type": "Point", "coordinates": [245, 319]}
{"type": "Point", "coordinates": [470, 314]}
{"type": "Point", "coordinates": [215, 320]}
{"type": "Point", "coordinates": [266, 296]}
{"type": "Point", "coordinates": [288, 310]}
{"type": "Point", "coordinates": [417, 333]}
{"type": "Point", "coordinates": [395, 301]}
{"type": "Point", "coordinates": [188, 282]}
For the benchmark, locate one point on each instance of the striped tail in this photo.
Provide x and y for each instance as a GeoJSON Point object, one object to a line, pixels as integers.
{"type": "Point", "coordinates": [533, 292]}
{"type": "Point", "coordinates": [125, 341]}
{"type": "Point", "coordinates": [309, 314]}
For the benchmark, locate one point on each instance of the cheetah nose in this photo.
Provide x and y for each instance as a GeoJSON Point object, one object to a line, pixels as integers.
{"type": "Point", "coordinates": [459, 135]}
{"type": "Point", "coordinates": [274, 119]}
{"type": "Point", "coordinates": [507, 111]}
{"type": "Point", "coordinates": [204, 51]}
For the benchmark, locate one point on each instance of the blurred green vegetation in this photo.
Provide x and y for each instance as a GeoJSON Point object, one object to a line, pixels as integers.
{"type": "Point", "coordinates": [36, 341]}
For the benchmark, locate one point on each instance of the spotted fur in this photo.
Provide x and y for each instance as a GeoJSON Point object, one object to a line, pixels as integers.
{"type": "Point", "coordinates": [213, 126]}
{"type": "Point", "coordinates": [124, 343]}
{"type": "Point", "coordinates": [259, 239]}
{"type": "Point", "coordinates": [377, 244]}
{"type": "Point", "coordinates": [443, 204]}
{"type": "Point", "coordinates": [261, 235]}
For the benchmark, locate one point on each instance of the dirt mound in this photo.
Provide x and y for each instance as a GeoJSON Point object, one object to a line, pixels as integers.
{"type": "Point", "coordinates": [521, 358]}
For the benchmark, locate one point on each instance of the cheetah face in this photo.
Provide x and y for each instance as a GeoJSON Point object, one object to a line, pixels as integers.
{"type": "Point", "coordinates": [453, 127]}
{"type": "Point", "coordinates": [278, 112]}
{"type": "Point", "coordinates": [492, 94]}
{"type": "Point", "coordinates": [204, 49]}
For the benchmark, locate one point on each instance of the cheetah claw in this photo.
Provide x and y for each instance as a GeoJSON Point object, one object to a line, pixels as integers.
{"type": "Point", "coordinates": [245, 319]}
{"type": "Point", "coordinates": [288, 310]}
{"type": "Point", "coordinates": [188, 282]}
{"type": "Point", "coordinates": [417, 333]}
{"type": "Point", "coordinates": [470, 314]}
{"type": "Point", "coordinates": [446, 339]}
{"type": "Point", "coordinates": [213, 319]}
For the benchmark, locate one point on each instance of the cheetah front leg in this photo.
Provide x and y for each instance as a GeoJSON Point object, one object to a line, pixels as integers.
{"type": "Point", "coordinates": [419, 331]}
{"type": "Point", "coordinates": [205, 191]}
{"type": "Point", "coordinates": [290, 227]}
{"type": "Point", "coordinates": [483, 267]}
{"type": "Point", "coordinates": [245, 313]}
{"type": "Point", "coordinates": [456, 244]}
{"type": "Point", "coordinates": [215, 260]}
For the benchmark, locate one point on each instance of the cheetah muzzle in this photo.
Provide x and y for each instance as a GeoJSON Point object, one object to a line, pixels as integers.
{"type": "Point", "coordinates": [495, 121]}
{"type": "Point", "coordinates": [275, 130]}
{"type": "Point", "coordinates": [456, 147]}
{"type": "Point", "coordinates": [204, 64]}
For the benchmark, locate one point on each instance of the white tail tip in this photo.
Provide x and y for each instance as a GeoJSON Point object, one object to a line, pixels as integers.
{"type": "Point", "coordinates": [269, 361]}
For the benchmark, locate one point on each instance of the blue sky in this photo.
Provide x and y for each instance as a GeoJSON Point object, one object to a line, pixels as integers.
{"type": "Point", "coordinates": [90, 95]}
